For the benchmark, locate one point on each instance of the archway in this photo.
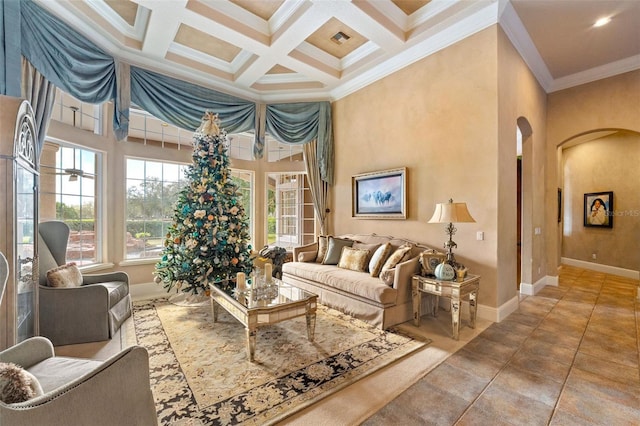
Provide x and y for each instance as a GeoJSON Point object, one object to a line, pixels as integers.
{"type": "Point", "coordinates": [524, 201]}
{"type": "Point", "coordinates": [601, 161]}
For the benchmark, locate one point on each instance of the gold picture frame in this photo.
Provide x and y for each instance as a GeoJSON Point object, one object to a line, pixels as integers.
{"type": "Point", "coordinates": [380, 195]}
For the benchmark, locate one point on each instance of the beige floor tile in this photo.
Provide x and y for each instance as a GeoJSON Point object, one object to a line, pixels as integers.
{"type": "Point", "coordinates": [529, 384]}
{"type": "Point", "coordinates": [595, 404]}
{"type": "Point", "coordinates": [491, 349]}
{"type": "Point", "coordinates": [541, 364]}
{"type": "Point", "coordinates": [518, 409]}
{"type": "Point", "coordinates": [606, 368]}
{"type": "Point", "coordinates": [461, 382]}
{"type": "Point", "coordinates": [571, 342]}
{"type": "Point", "coordinates": [481, 366]}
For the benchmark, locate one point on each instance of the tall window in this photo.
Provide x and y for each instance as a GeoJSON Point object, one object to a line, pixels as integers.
{"type": "Point", "coordinates": [244, 180]}
{"type": "Point", "coordinates": [290, 214]}
{"type": "Point", "coordinates": [69, 193]}
{"type": "Point", "coordinates": [152, 191]}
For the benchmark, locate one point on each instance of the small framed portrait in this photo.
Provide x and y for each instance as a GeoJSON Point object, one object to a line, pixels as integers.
{"type": "Point", "coordinates": [429, 259]}
{"type": "Point", "coordinates": [598, 209]}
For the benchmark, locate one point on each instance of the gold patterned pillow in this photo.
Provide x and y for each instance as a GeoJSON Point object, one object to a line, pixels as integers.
{"type": "Point", "coordinates": [353, 259]}
{"type": "Point", "coordinates": [323, 243]}
{"type": "Point", "coordinates": [397, 256]}
{"type": "Point", "coordinates": [372, 249]}
{"type": "Point", "coordinates": [378, 259]}
{"type": "Point", "coordinates": [64, 276]}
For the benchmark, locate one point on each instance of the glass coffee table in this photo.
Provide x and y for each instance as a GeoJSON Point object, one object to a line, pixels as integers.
{"type": "Point", "coordinates": [278, 302]}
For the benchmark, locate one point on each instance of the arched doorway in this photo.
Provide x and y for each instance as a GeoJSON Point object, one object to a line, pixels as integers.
{"type": "Point", "coordinates": [596, 161]}
{"type": "Point", "coordinates": [524, 209]}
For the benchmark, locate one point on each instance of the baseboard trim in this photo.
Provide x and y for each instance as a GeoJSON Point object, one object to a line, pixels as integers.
{"type": "Point", "coordinates": [613, 270]}
{"type": "Point", "coordinates": [146, 291]}
{"type": "Point", "coordinates": [499, 313]}
{"type": "Point", "coordinates": [532, 289]}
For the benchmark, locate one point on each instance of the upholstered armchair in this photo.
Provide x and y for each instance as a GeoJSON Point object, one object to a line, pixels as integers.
{"type": "Point", "coordinates": [91, 311]}
{"type": "Point", "coordinates": [81, 391]}
{"type": "Point", "coordinates": [75, 391]}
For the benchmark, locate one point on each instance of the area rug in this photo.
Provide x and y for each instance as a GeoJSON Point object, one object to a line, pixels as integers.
{"type": "Point", "coordinates": [200, 373]}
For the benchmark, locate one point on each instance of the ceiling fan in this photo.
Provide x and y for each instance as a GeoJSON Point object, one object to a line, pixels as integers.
{"type": "Point", "coordinates": [73, 172]}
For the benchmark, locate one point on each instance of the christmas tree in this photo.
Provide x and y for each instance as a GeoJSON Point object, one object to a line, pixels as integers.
{"type": "Point", "coordinates": [209, 238]}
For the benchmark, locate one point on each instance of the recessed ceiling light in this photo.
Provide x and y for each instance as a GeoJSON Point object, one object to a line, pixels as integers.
{"type": "Point", "coordinates": [340, 37]}
{"type": "Point", "coordinates": [602, 21]}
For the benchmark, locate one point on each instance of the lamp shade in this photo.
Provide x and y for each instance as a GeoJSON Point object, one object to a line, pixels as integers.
{"type": "Point", "coordinates": [451, 213]}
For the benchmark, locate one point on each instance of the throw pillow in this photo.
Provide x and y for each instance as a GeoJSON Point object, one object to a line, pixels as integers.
{"type": "Point", "coordinates": [378, 259]}
{"type": "Point", "coordinates": [372, 249]}
{"type": "Point", "coordinates": [307, 256]}
{"type": "Point", "coordinates": [17, 384]}
{"type": "Point", "coordinates": [323, 242]}
{"type": "Point", "coordinates": [353, 259]}
{"type": "Point", "coordinates": [397, 256]}
{"type": "Point", "coordinates": [334, 250]}
{"type": "Point", "coordinates": [64, 276]}
{"type": "Point", "coordinates": [388, 276]}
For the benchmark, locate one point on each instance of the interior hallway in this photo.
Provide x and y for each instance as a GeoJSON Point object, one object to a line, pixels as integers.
{"type": "Point", "coordinates": [569, 355]}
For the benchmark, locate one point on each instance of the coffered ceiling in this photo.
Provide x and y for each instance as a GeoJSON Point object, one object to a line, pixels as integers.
{"type": "Point", "coordinates": [289, 50]}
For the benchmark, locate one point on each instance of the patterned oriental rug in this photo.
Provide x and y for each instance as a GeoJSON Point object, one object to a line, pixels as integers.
{"type": "Point", "coordinates": [200, 373]}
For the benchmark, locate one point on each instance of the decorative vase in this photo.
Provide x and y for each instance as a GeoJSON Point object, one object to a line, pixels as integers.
{"type": "Point", "coordinates": [445, 272]}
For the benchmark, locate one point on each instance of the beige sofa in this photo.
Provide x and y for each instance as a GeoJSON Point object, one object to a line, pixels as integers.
{"type": "Point", "coordinates": [358, 293]}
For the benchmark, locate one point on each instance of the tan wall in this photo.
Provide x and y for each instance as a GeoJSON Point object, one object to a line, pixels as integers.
{"type": "Point", "coordinates": [520, 99]}
{"type": "Point", "coordinates": [606, 164]}
{"type": "Point", "coordinates": [611, 103]}
{"type": "Point", "coordinates": [438, 118]}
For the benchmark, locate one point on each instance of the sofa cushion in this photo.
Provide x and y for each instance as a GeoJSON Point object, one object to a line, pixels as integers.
{"type": "Point", "coordinates": [64, 276]}
{"type": "Point", "coordinates": [371, 247]}
{"type": "Point", "coordinates": [323, 243]}
{"type": "Point", "coordinates": [400, 254]}
{"type": "Point", "coordinates": [307, 256]}
{"type": "Point", "coordinates": [379, 258]}
{"type": "Point", "coordinates": [357, 283]}
{"type": "Point", "coordinates": [59, 370]}
{"type": "Point", "coordinates": [334, 250]}
{"type": "Point", "coordinates": [353, 259]}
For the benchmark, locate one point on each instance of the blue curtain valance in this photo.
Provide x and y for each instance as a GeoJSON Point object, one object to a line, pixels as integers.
{"type": "Point", "coordinates": [10, 48]}
{"type": "Point", "coordinates": [302, 122]}
{"type": "Point", "coordinates": [68, 59]}
{"type": "Point", "coordinates": [183, 104]}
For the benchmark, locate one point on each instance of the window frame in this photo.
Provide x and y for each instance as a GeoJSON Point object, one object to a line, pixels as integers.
{"type": "Point", "coordinates": [98, 198]}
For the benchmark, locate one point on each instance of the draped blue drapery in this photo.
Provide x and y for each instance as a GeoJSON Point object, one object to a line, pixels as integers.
{"type": "Point", "coordinates": [302, 122]}
{"type": "Point", "coordinates": [10, 48]}
{"type": "Point", "coordinates": [183, 104]}
{"type": "Point", "coordinates": [68, 59]}
{"type": "Point", "coordinates": [73, 63]}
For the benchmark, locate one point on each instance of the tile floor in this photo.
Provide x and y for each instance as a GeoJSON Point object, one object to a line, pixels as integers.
{"type": "Point", "coordinates": [569, 355]}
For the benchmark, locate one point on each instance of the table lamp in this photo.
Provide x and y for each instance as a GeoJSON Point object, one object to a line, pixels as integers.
{"type": "Point", "coordinates": [451, 213]}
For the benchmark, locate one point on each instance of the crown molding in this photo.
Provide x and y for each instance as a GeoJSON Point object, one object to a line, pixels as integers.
{"type": "Point", "coordinates": [515, 31]}
{"type": "Point", "coordinates": [622, 66]}
{"type": "Point", "coordinates": [460, 30]}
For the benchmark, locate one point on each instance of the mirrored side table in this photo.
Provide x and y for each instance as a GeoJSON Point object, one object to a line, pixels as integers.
{"type": "Point", "coordinates": [456, 290]}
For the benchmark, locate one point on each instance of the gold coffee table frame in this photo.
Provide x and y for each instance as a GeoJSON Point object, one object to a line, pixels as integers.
{"type": "Point", "coordinates": [290, 302]}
